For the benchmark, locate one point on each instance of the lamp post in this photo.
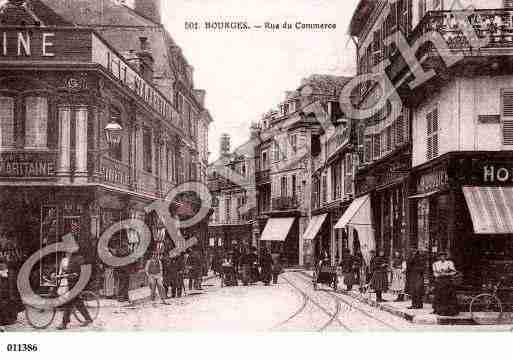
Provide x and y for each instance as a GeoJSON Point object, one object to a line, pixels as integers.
{"type": "Point", "coordinates": [113, 132]}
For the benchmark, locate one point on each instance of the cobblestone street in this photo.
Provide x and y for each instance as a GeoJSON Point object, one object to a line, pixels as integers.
{"type": "Point", "coordinates": [292, 305]}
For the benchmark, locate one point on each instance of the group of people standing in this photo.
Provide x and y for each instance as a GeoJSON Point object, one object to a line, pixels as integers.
{"type": "Point", "coordinates": [167, 273]}
{"type": "Point", "coordinates": [403, 277]}
{"type": "Point", "coordinates": [247, 266]}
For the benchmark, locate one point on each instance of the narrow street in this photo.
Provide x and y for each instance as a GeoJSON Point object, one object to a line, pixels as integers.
{"type": "Point", "coordinates": [290, 306]}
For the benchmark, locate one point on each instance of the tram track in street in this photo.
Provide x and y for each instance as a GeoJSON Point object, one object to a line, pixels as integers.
{"type": "Point", "coordinates": [333, 317]}
{"type": "Point", "coordinates": [350, 305]}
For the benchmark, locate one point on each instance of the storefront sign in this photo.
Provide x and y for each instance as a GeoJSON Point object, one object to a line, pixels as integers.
{"type": "Point", "coordinates": [497, 174]}
{"type": "Point", "coordinates": [433, 181]}
{"type": "Point", "coordinates": [45, 45]}
{"type": "Point", "coordinates": [27, 165]}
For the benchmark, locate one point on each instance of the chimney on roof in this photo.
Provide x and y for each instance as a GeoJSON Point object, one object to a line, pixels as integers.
{"type": "Point", "coordinates": [225, 145]}
{"type": "Point", "coordinates": [146, 60]}
{"type": "Point", "coordinates": [150, 9]}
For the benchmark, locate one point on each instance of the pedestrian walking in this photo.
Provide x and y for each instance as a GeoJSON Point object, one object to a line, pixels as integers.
{"type": "Point", "coordinates": [153, 270]}
{"type": "Point", "coordinates": [69, 273]}
{"type": "Point", "coordinates": [348, 267]}
{"type": "Point", "coordinates": [266, 262]}
{"type": "Point", "coordinates": [123, 274]}
{"type": "Point", "coordinates": [379, 280]}
{"type": "Point", "coordinates": [398, 281]}
{"type": "Point", "coordinates": [194, 268]}
{"type": "Point", "coordinates": [167, 263]}
{"type": "Point", "coordinates": [277, 267]}
{"type": "Point", "coordinates": [445, 302]}
{"type": "Point", "coordinates": [415, 269]}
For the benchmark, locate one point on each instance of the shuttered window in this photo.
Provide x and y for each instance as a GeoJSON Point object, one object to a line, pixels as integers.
{"type": "Point", "coordinates": [432, 134]}
{"type": "Point", "coordinates": [6, 122]}
{"type": "Point", "coordinates": [507, 117]}
{"type": "Point", "coordinates": [508, 4]}
{"type": "Point", "coordinates": [368, 149]}
{"type": "Point", "coordinates": [377, 146]}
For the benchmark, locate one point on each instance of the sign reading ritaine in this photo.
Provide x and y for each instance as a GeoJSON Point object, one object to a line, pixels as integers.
{"type": "Point", "coordinates": [26, 165]}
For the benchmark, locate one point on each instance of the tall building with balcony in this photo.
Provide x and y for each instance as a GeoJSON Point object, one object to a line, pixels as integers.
{"type": "Point", "coordinates": [70, 70]}
{"type": "Point", "coordinates": [456, 117]}
{"type": "Point", "coordinates": [231, 184]}
{"type": "Point", "coordinates": [288, 136]}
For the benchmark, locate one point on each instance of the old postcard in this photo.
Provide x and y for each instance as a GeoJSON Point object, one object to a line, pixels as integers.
{"type": "Point", "coordinates": [259, 166]}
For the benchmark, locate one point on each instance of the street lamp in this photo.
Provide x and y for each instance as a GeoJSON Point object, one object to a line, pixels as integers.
{"type": "Point", "coordinates": [113, 132]}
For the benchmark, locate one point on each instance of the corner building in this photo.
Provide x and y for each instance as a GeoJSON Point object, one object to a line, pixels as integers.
{"type": "Point", "coordinates": [62, 81]}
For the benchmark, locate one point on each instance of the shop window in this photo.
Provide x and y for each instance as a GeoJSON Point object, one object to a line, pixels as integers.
{"type": "Point", "coordinates": [507, 117]}
{"type": "Point", "coordinates": [115, 150]}
{"type": "Point", "coordinates": [6, 122]}
{"type": "Point", "coordinates": [147, 150]}
{"type": "Point", "coordinates": [432, 134]}
{"type": "Point", "coordinates": [36, 122]}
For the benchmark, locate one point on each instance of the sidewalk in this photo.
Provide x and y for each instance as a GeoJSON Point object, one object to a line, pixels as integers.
{"type": "Point", "coordinates": [400, 309]}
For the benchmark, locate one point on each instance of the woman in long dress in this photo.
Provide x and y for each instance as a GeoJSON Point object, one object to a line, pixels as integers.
{"type": "Point", "coordinates": [398, 276]}
{"type": "Point", "coordinates": [445, 302]}
{"type": "Point", "coordinates": [379, 280]}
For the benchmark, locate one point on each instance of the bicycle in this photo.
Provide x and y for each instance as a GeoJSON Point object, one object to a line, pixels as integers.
{"type": "Point", "coordinates": [42, 318]}
{"type": "Point", "coordinates": [487, 308]}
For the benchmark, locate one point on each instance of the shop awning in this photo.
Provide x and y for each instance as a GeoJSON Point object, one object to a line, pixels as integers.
{"type": "Point", "coordinates": [358, 213]}
{"type": "Point", "coordinates": [359, 217]}
{"type": "Point", "coordinates": [314, 226]}
{"type": "Point", "coordinates": [424, 195]}
{"type": "Point", "coordinates": [491, 209]}
{"type": "Point", "coordinates": [276, 229]}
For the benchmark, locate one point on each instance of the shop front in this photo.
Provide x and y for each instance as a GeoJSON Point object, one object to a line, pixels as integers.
{"type": "Point", "coordinates": [386, 185]}
{"type": "Point", "coordinates": [462, 204]}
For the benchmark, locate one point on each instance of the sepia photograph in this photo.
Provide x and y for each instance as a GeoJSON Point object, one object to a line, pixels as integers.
{"type": "Point", "coordinates": [275, 166]}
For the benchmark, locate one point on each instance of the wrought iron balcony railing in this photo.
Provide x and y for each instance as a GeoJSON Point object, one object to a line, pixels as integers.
{"type": "Point", "coordinates": [493, 26]}
{"type": "Point", "coordinates": [284, 203]}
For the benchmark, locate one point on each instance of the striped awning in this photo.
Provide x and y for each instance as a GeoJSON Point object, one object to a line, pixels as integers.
{"type": "Point", "coordinates": [277, 229]}
{"type": "Point", "coordinates": [491, 209]}
{"type": "Point", "coordinates": [314, 226]}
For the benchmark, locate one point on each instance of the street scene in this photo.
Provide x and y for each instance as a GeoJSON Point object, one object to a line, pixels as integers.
{"type": "Point", "coordinates": [145, 186]}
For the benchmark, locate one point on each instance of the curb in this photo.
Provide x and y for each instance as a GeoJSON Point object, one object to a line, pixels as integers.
{"type": "Point", "coordinates": [428, 319]}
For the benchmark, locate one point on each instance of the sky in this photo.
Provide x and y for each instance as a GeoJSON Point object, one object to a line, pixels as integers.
{"type": "Point", "coordinates": [246, 73]}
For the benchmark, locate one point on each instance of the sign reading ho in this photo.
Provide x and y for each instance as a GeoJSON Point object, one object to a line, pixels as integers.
{"type": "Point", "coordinates": [497, 173]}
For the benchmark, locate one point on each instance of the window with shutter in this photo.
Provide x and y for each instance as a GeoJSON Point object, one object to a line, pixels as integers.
{"type": "Point", "coordinates": [368, 149]}
{"type": "Point", "coordinates": [399, 130]}
{"type": "Point", "coordinates": [508, 4]}
{"type": "Point", "coordinates": [507, 117]}
{"type": "Point", "coordinates": [6, 122]}
{"type": "Point", "coordinates": [377, 146]}
{"type": "Point", "coordinates": [432, 134]}
{"type": "Point", "coordinates": [389, 138]}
